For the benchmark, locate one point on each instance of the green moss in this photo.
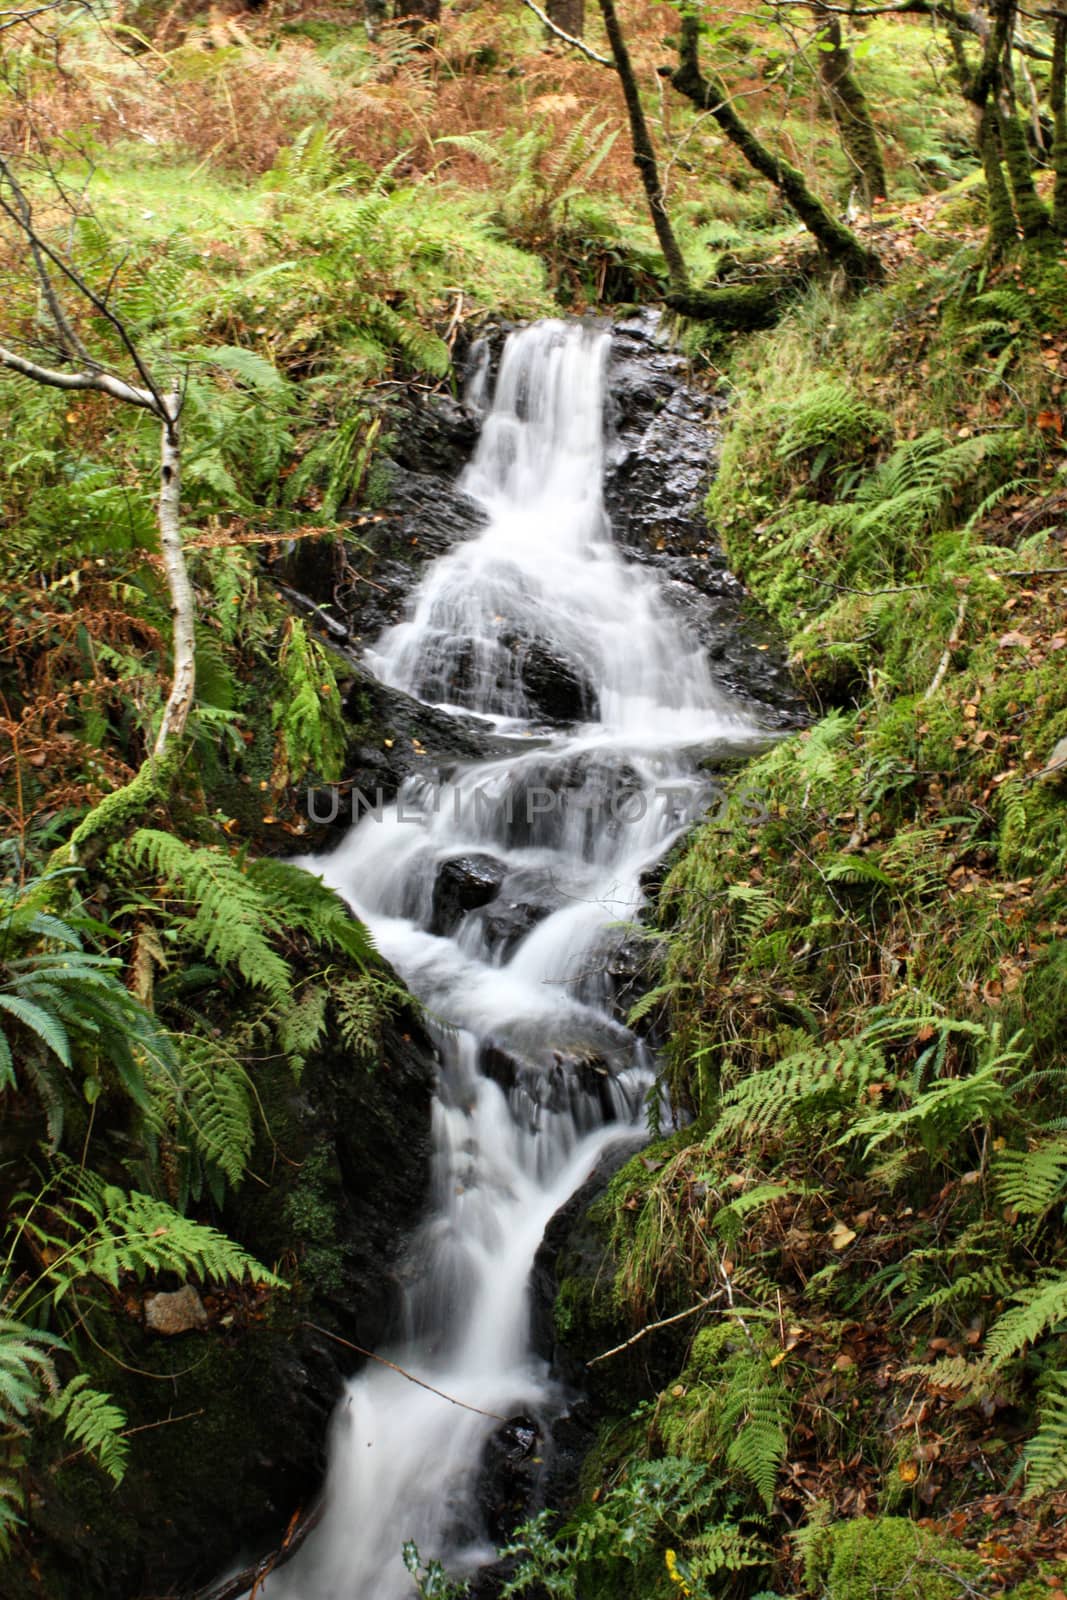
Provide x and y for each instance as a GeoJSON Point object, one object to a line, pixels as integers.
{"type": "Point", "coordinates": [572, 1307]}
{"type": "Point", "coordinates": [311, 1213]}
{"type": "Point", "coordinates": [889, 1558]}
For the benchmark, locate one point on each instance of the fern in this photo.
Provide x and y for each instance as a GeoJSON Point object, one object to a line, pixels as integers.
{"type": "Point", "coordinates": [1045, 1457]}
{"type": "Point", "coordinates": [1032, 1181]}
{"type": "Point", "coordinates": [754, 1414]}
{"type": "Point", "coordinates": [231, 920]}
{"type": "Point", "coordinates": [307, 713]}
{"type": "Point", "coordinates": [725, 1549]}
{"type": "Point", "coordinates": [1040, 1308]}
{"type": "Point", "coordinates": [92, 1421]}
{"type": "Point", "coordinates": [61, 1004]}
{"type": "Point", "coordinates": [363, 1003]}
{"type": "Point", "coordinates": [27, 1380]}
{"type": "Point", "coordinates": [27, 1365]}
{"type": "Point", "coordinates": [98, 1231]}
{"type": "Point", "coordinates": [992, 1280]}
{"type": "Point", "coordinates": [941, 1112]}
{"type": "Point", "coordinates": [817, 1076]}
{"type": "Point", "coordinates": [830, 423]}
{"type": "Point", "coordinates": [216, 1106]}
{"type": "Point", "coordinates": [729, 1219]}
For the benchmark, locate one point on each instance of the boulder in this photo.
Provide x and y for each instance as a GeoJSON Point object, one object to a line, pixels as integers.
{"type": "Point", "coordinates": [557, 688]}
{"type": "Point", "coordinates": [463, 884]}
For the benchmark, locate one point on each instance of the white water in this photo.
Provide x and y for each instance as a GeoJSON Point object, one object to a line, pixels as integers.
{"type": "Point", "coordinates": [573, 818]}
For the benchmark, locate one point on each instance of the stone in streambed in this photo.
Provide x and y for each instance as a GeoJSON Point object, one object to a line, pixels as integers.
{"type": "Point", "coordinates": [463, 884]}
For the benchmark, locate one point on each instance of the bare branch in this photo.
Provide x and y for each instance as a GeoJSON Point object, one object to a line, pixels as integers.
{"type": "Point", "coordinates": [95, 300]}
{"type": "Point", "coordinates": [568, 38]}
{"type": "Point", "coordinates": [665, 1322]}
{"type": "Point", "coordinates": [102, 382]}
{"type": "Point", "coordinates": [494, 1416]}
{"type": "Point", "coordinates": [69, 342]}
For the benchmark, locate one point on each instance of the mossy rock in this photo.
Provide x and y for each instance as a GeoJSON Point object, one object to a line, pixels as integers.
{"type": "Point", "coordinates": [888, 1558]}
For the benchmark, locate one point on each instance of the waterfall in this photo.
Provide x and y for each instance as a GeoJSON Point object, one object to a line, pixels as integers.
{"type": "Point", "coordinates": [497, 891]}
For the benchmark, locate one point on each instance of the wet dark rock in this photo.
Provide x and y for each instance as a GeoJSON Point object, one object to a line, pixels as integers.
{"type": "Point", "coordinates": [510, 1476]}
{"type": "Point", "coordinates": [662, 457]}
{"type": "Point", "coordinates": [557, 688]}
{"type": "Point", "coordinates": [661, 452]}
{"type": "Point", "coordinates": [632, 970]}
{"type": "Point", "coordinates": [463, 884]}
{"type": "Point", "coordinates": [559, 1079]}
{"type": "Point", "coordinates": [509, 922]}
{"type": "Point", "coordinates": [573, 1255]}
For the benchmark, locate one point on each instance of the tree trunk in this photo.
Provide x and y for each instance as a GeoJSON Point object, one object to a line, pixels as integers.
{"type": "Point", "coordinates": [568, 15]}
{"type": "Point", "coordinates": [183, 606]}
{"type": "Point", "coordinates": [979, 87]}
{"type": "Point", "coordinates": [850, 109]}
{"type": "Point", "coordinates": [838, 243]}
{"type": "Point", "coordinates": [644, 151]}
{"type": "Point", "coordinates": [417, 12]}
{"type": "Point", "coordinates": [1033, 218]}
{"type": "Point", "coordinates": [1058, 97]}
{"type": "Point", "coordinates": [1002, 232]}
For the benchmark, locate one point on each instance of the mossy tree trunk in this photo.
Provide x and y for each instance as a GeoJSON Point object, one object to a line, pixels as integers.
{"type": "Point", "coordinates": [1001, 217]}
{"type": "Point", "coordinates": [1032, 216]}
{"type": "Point", "coordinates": [1058, 98]}
{"type": "Point", "coordinates": [979, 85]}
{"type": "Point", "coordinates": [708, 93]}
{"type": "Point", "coordinates": [644, 150]}
{"type": "Point", "coordinates": [849, 105]}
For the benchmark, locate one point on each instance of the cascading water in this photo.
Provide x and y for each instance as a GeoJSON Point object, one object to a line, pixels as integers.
{"type": "Point", "coordinates": [538, 1078]}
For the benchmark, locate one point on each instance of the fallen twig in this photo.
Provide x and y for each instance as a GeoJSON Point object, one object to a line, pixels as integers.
{"type": "Point", "coordinates": [665, 1322]}
{"type": "Point", "coordinates": [946, 657]}
{"type": "Point", "coordinates": [249, 1579]}
{"type": "Point", "coordinates": [410, 1376]}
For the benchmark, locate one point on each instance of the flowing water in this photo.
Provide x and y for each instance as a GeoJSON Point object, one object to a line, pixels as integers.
{"type": "Point", "coordinates": [547, 843]}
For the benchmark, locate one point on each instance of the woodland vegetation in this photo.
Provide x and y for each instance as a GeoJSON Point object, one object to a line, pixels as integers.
{"type": "Point", "coordinates": [230, 236]}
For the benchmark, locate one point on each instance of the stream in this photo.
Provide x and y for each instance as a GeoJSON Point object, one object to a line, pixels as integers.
{"type": "Point", "coordinates": [499, 890]}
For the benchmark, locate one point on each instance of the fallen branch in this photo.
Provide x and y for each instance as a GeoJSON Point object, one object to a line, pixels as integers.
{"type": "Point", "coordinates": [1031, 572]}
{"type": "Point", "coordinates": [665, 1322]}
{"type": "Point", "coordinates": [946, 657]}
{"type": "Point", "coordinates": [249, 1579]}
{"type": "Point", "coordinates": [410, 1376]}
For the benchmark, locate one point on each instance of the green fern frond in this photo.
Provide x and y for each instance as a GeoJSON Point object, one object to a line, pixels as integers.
{"type": "Point", "coordinates": [216, 1103]}
{"type": "Point", "coordinates": [1031, 1181]}
{"type": "Point", "coordinates": [725, 1549]}
{"type": "Point", "coordinates": [755, 1417]}
{"type": "Point", "coordinates": [1045, 1457]}
{"type": "Point", "coordinates": [92, 1421]}
{"type": "Point", "coordinates": [973, 1380]}
{"type": "Point", "coordinates": [363, 1003]}
{"type": "Point", "coordinates": [231, 920]}
{"type": "Point", "coordinates": [823, 1076]}
{"type": "Point", "coordinates": [307, 713]}
{"type": "Point", "coordinates": [100, 1231]}
{"type": "Point", "coordinates": [992, 1280]}
{"type": "Point", "coordinates": [1041, 1309]}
